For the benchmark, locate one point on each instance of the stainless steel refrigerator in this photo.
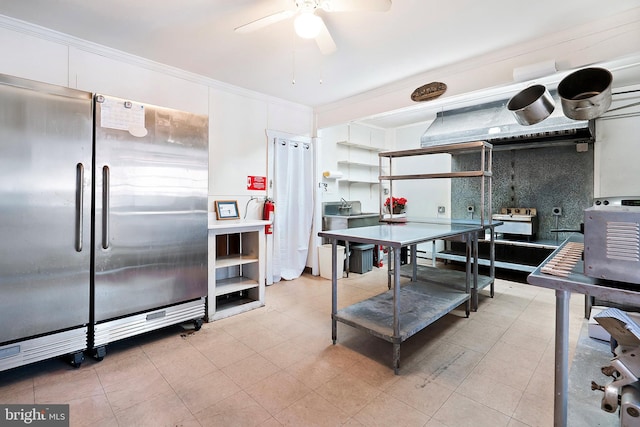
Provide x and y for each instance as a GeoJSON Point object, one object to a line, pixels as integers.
{"type": "Point", "coordinates": [103, 220]}
{"type": "Point", "coordinates": [151, 178]}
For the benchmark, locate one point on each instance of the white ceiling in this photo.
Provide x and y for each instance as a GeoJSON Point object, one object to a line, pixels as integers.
{"type": "Point", "coordinates": [374, 49]}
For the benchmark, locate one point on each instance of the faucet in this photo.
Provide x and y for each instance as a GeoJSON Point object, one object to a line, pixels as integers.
{"type": "Point", "coordinates": [344, 204]}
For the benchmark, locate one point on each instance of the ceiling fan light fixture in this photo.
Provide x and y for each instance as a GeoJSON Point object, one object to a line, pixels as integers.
{"type": "Point", "coordinates": [307, 25]}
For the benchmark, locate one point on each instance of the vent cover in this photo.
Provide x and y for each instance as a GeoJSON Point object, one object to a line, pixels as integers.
{"type": "Point", "coordinates": [612, 243]}
{"type": "Point", "coordinates": [623, 241]}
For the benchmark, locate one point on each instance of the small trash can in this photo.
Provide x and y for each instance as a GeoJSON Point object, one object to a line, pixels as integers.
{"type": "Point", "coordinates": [324, 255]}
{"type": "Point", "coordinates": [361, 258]}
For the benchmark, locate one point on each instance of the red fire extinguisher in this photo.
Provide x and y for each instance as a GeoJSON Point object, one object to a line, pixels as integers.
{"type": "Point", "coordinates": [267, 213]}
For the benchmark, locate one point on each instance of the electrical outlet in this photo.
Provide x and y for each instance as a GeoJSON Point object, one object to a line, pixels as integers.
{"type": "Point", "coordinates": [440, 209]}
{"type": "Point", "coordinates": [470, 209]}
{"type": "Point", "coordinates": [556, 211]}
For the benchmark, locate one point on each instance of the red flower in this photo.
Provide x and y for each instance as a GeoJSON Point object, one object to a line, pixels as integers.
{"type": "Point", "coordinates": [398, 202]}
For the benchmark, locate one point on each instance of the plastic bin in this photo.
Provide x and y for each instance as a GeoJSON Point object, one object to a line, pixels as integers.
{"type": "Point", "coordinates": [361, 258]}
{"type": "Point", "coordinates": [324, 255]}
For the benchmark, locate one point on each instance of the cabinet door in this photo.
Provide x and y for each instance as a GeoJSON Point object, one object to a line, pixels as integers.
{"type": "Point", "coordinates": [359, 134]}
{"type": "Point", "coordinates": [617, 150]}
{"type": "Point", "coordinates": [378, 137]}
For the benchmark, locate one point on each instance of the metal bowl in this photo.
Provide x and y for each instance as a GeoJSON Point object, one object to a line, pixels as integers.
{"type": "Point", "coordinates": [531, 105]}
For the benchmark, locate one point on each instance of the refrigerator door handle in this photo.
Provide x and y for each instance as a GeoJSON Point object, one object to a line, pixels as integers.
{"type": "Point", "coordinates": [105, 207]}
{"type": "Point", "coordinates": [79, 205]}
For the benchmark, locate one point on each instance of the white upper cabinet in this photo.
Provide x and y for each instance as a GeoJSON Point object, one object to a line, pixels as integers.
{"type": "Point", "coordinates": [617, 150]}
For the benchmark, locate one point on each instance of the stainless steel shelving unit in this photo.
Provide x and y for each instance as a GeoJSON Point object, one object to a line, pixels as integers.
{"type": "Point", "coordinates": [483, 172]}
{"type": "Point", "coordinates": [483, 148]}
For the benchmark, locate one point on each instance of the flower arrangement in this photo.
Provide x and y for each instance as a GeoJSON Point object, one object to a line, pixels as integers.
{"type": "Point", "coordinates": [395, 204]}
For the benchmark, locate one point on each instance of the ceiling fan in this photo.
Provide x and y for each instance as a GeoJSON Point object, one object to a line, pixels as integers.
{"type": "Point", "coordinates": [309, 25]}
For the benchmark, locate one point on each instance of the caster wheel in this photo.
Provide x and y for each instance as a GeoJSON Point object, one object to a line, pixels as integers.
{"type": "Point", "coordinates": [99, 354]}
{"type": "Point", "coordinates": [197, 324]}
{"type": "Point", "coordinates": [77, 359]}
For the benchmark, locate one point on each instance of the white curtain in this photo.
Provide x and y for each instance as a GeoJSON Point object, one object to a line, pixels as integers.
{"type": "Point", "coordinates": [293, 197]}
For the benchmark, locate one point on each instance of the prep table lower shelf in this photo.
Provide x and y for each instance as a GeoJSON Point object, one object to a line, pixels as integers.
{"type": "Point", "coordinates": [421, 304]}
{"type": "Point", "coordinates": [455, 279]}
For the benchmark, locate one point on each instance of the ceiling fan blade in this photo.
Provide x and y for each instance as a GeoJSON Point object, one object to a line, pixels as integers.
{"type": "Point", "coordinates": [325, 41]}
{"type": "Point", "coordinates": [265, 21]}
{"type": "Point", "coordinates": [356, 5]}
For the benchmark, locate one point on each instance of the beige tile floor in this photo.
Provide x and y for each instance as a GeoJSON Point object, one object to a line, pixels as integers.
{"type": "Point", "coordinates": [277, 366]}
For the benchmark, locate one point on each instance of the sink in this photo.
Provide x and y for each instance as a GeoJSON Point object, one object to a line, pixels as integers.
{"type": "Point", "coordinates": [336, 217]}
{"type": "Point", "coordinates": [339, 222]}
{"type": "Point", "coordinates": [355, 214]}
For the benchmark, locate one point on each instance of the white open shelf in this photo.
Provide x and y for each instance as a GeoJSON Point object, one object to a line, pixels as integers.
{"type": "Point", "coordinates": [359, 146]}
{"type": "Point", "coordinates": [233, 260]}
{"type": "Point", "coordinates": [234, 284]}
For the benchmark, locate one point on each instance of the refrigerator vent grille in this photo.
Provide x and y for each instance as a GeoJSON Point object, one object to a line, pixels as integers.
{"type": "Point", "coordinates": [115, 330]}
{"type": "Point", "coordinates": [42, 348]}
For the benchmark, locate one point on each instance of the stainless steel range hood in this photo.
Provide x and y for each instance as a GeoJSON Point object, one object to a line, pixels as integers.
{"type": "Point", "coordinates": [494, 123]}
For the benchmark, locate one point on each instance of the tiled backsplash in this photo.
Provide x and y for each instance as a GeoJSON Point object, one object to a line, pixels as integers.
{"type": "Point", "coordinates": [541, 178]}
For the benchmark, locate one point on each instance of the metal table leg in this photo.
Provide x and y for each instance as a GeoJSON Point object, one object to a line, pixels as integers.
{"type": "Point", "coordinates": [562, 359]}
{"type": "Point", "coordinates": [334, 289]}
{"type": "Point", "coordinates": [474, 291]}
{"type": "Point", "coordinates": [433, 253]}
{"type": "Point", "coordinates": [414, 262]}
{"type": "Point", "coordinates": [347, 254]}
{"type": "Point", "coordinates": [588, 303]}
{"type": "Point", "coordinates": [468, 238]}
{"type": "Point", "coordinates": [390, 266]}
{"type": "Point", "coordinates": [396, 311]}
{"type": "Point", "coordinates": [492, 257]}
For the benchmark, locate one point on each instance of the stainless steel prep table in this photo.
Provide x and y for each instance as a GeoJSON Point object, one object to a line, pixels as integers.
{"type": "Point", "coordinates": [576, 281]}
{"type": "Point", "coordinates": [404, 310]}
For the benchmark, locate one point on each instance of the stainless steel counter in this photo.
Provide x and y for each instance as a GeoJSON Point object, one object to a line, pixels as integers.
{"type": "Point", "coordinates": [404, 310]}
{"type": "Point", "coordinates": [576, 281]}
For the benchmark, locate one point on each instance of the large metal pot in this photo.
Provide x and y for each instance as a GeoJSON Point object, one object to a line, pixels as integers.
{"type": "Point", "coordinates": [531, 105]}
{"type": "Point", "coordinates": [586, 94]}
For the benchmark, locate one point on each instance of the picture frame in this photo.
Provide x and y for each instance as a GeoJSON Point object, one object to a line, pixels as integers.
{"type": "Point", "coordinates": [227, 209]}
